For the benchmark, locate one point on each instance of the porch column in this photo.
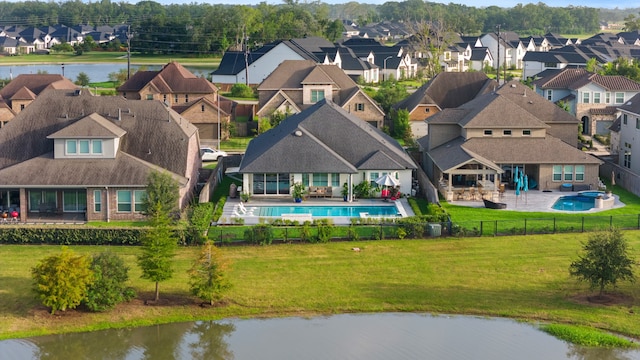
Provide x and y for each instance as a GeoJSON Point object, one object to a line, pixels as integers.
{"type": "Point", "coordinates": [23, 204]}
{"type": "Point", "coordinates": [350, 186]}
{"type": "Point", "coordinates": [449, 194]}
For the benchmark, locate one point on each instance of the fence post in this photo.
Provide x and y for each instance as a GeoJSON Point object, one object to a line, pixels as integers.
{"type": "Point", "coordinates": [481, 228]}
{"type": "Point", "coordinates": [554, 225]}
{"type": "Point", "coordinates": [525, 226]}
{"type": "Point", "coordinates": [582, 230]}
{"type": "Point", "coordinates": [495, 228]}
{"type": "Point", "coordinates": [610, 222]}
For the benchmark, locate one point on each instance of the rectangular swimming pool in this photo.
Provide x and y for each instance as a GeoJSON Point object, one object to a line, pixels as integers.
{"type": "Point", "coordinates": [328, 211]}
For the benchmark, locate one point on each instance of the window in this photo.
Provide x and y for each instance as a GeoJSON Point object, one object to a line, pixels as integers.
{"type": "Point", "coordinates": [124, 200]}
{"type": "Point", "coordinates": [74, 200]}
{"type": "Point", "coordinates": [526, 132]}
{"type": "Point", "coordinates": [427, 110]}
{"type": "Point", "coordinates": [549, 94]}
{"type": "Point", "coordinates": [138, 196]}
{"type": "Point", "coordinates": [72, 147]}
{"type": "Point", "coordinates": [320, 179]}
{"type": "Point", "coordinates": [21, 106]}
{"type": "Point", "coordinates": [619, 98]}
{"type": "Point", "coordinates": [96, 146]}
{"type": "Point", "coordinates": [579, 172]}
{"type": "Point", "coordinates": [586, 97]}
{"type": "Point", "coordinates": [124, 95]}
{"type": "Point", "coordinates": [149, 96]}
{"type": "Point", "coordinates": [637, 123]}
{"type": "Point", "coordinates": [186, 98]}
{"type": "Point", "coordinates": [202, 107]}
{"type": "Point", "coordinates": [557, 172]}
{"type": "Point", "coordinates": [83, 146]}
{"type": "Point", "coordinates": [360, 107]}
{"type": "Point", "coordinates": [506, 132]}
{"type": "Point", "coordinates": [627, 159]}
{"type": "Point", "coordinates": [488, 132]}
{"type": "Point", "coordinates": [607, 98]}
{"type": "Point", "coordinates": [372, 178]}
{"type": "Point", "coordinates": [305, 179]}
{"type": "Point", "coordinates": [335, 179]}
{"type": "Point", "coordinates": [568, 172]}
{"type": "Point", "coordinates": [97, 200]}
{"type": "Point", "coordinates": [175, 98]}
{"type": "Point", "coordinates": [317, 95]}
{"type": "Point", "coordinates": [624, 119]}
{"type": "Point", "coordinates": [596, 98]}
{"type": "Point", "coordinates": [164, 98]}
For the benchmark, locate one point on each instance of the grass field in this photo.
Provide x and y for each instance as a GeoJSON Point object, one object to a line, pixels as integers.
{"type": "Point", "coordinates": [108, 57]}
{"type": "Point", "coordinates": [522, 277]}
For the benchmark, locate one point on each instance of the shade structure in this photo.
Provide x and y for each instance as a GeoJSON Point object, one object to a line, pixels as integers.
{"type": "Point", "coordinates": [387, 180]}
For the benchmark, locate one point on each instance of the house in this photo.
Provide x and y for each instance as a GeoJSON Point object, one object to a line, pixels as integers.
{"type": "Point", "coordinates": [70, 153]}
{"type": "Point", "coordinates": [629, 135]}
{"type": "Point", "coordinates": [505, 50]}
{"type": "Point", "coordinates": [485, 140]}
{"type": "Point", "coordinates": [194, 97]}
{"type": "Point", "coordinates": [436, 95]}
{"type": "Point", "coordinates": [591, 98]}
{"type": "Point", "coordinates": [23, 90]}
{"type": "Point", "coordinates": [395, 61]}
{"type": "Point", "coordinates": [296, 85]}
{"type": "Point", "coordinates": [324, 145]}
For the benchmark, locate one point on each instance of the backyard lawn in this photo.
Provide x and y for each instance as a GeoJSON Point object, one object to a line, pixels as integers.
{"type": "Point", "coordinates": [524, 277]}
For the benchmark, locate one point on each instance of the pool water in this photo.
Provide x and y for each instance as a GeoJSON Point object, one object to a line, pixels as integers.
{"type": "Point", "coordinates": [328, 211]}
{"type": "Point", "coordinates": [585, 200]}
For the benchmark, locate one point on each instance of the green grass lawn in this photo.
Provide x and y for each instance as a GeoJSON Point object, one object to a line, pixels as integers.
{"type": "Point", "coordinates": [523, 277]}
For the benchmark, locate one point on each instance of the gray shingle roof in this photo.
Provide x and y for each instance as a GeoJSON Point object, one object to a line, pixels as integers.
{"type": "Point", "coordinates": [324, 138]}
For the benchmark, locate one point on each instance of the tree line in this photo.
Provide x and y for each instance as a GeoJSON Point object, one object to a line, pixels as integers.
{"type": "Point", "coordinates": [204, 29]}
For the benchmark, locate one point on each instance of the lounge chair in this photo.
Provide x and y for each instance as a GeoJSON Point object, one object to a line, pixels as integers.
{"type": "Point", "coordinates": [494, 205]}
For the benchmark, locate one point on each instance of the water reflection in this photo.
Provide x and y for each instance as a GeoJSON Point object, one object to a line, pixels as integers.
{"type": "Point", "coordinates": [353, 336]}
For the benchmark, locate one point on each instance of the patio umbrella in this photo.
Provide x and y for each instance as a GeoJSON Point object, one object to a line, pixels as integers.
{"type": "Point", "coordinates": [387, 180]}
{"type": "Point", "coordinates": [525, 187]}
{"type": "Point", "coordinates": [613, 178]}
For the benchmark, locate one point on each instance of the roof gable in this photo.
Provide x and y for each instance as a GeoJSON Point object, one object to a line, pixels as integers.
{"type": "Point", "coordinates": [92, 126]}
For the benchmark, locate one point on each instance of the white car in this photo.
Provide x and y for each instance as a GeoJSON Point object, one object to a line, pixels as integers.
{"type": "Point", "coordinates": [209, 154]}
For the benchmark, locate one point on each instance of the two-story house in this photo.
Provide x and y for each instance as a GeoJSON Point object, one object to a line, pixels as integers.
{"type": "Point", "coordinates": [484, 140]}
{"type": "Point", "coordinates": [296, 85]}
{"type": "Point", "coordinates": [590, 97]}
{"type": "Point", "coordinates": [195, 98]}
{"type": "Point", "coordinates": [74, 155]}
{"type": "Point", "coordinates": [628, 142]}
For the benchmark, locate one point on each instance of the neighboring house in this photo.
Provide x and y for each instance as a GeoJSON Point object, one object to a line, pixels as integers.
{"type": "Point", "coordinates": [194, 97]}
{"type": "Point", "coordinates": [483, 141]}
{"type": "Point", "coordinates": [591, 98]}
{"type": "Point", "coordinates": [322, 146]}
{"type": "Point", "coordinates": [23, 90]}
{"type": "Point", "coordinates": [502, 50]}
{"type": "Point", "coordinates": [480, 58]}
{"type": "Point", "coordinates": [629, 135]}
{"type": "Point", "coordinates": [74, 154]}
{"type": "Point", "coordinates": [614, 138]}
{"type": "Point", "coordinates": [436, 95]}
{"type": "Point", "coordinates": [297, 85]}
{"type": "Point", "coordinates": [393, 61]}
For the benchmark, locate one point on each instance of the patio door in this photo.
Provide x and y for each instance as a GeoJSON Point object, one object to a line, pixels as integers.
{"type": "Point", "coordinates": [271, 184]}
{"type": "Point", "coordinates": [74, 200]}
{"type": "Point", "coordinates": [42, 200]}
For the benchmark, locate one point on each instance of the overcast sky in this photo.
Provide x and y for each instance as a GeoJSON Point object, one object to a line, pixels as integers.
{"type": "Point", "coordinates": [621, 4]}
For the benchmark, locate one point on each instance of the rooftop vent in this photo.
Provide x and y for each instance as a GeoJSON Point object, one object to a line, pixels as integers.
{"type": "Point", "coordinates": [297, 133]}
{"type": "Point", "coordinates": [77, 92]}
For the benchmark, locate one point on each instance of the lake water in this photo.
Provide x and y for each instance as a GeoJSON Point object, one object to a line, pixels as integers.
{"type": "Point", "coordinates": [352, 336]}
{"type": "Point", "coordinates": [96, 72]}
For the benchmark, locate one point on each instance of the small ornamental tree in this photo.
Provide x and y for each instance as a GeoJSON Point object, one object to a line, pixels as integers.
{"type": "Point", "coordinates": [208, 276]}
{"type": "Point", "coordinates": [162, 194]}
{"type": "Point", "coordinates": [158, 250]}
{"type": "Point", "coordinates": [604, 261]}
{"type": "Point", "coordinates": [108, 288]}
{"type": "Point", "coordinates": [61, 281]}
{"type": "Point", "coordinates": [83, 79]}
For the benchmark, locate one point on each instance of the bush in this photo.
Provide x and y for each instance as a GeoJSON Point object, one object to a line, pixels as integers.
{"type": "Point", "coordinates": [108, 289]}
{"type": "Point", "coordinates": [324, 230]}
{"type": "Point", "coordinates": [259, 234]}
{"type": "Point", "coordinates": [241, 90]}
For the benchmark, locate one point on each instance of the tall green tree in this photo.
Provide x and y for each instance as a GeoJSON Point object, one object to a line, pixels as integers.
{"type": "Point", "coordinates": [158, 250]}
{"type": "Point", "coordinates": [389, 93]}
{"type": "Point", "coordinates": [208, 277]}
{"type": "Point", "coordinates": [605, 260]}
{"type": "Point", "coordinates": [162, 194]}
{"type": "Point", "coordinates": [61, 281]}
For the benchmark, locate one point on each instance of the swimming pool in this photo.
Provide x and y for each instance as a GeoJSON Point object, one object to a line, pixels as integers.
{"type": "Point", "coordinates": [583, 201]}
{"type": "Point", "coordinates": [328, 211]}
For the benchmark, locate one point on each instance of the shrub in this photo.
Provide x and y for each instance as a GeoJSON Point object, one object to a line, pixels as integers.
{"type": "Point", "coordinates": [61, 281]}
{"type": "Point", "coordinates": [259, 234]}
{"type": "Point", "coordinates": [108, 289]}
{"type": "Point", "coordinates": [324, 230]}
{"type": "Point", "coordinates": [241, 90]}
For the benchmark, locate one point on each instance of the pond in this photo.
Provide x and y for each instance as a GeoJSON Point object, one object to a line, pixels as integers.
{"type": "Point", "coordinates": [349, 336]}
{"type": "Point", "coordinates": [96, 72]}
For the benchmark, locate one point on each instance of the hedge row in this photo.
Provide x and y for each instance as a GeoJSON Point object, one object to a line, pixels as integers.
{"type": "Point", "coordinates": [70, 236]}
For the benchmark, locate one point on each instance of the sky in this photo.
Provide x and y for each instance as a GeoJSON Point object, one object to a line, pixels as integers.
{"type": "Point", "coordinates": [621, 4]}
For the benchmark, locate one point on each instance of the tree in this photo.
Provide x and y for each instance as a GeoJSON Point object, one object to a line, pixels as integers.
{"type": "Point", "coordinates": [208, 275]}
{"type": "Point", "coordinates": [389, 93]}
{"type": "Point", "coordinates": [162, 194]}
{"type": "Point", "coordinates": [401, 126]}
{"type": "Point", "coordinates": [158, 250]}
{"type": "Point", "coordinates": [61, 281]}
{"type": "Point", "coordinates": [82, 79]}
{"type": "Point", "coordinates": [605, 260]}
{"type": "Point", "coordinates": [108, 288]}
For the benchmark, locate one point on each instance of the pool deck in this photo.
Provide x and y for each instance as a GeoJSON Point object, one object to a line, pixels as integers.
{"type": "Point", "coordinates": [536, 200]}
{"type": "Point", "coordinates": [232, 211]}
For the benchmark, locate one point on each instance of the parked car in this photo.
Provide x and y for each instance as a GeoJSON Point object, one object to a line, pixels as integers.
{"type": "Point", "coordinates": [209, 154]}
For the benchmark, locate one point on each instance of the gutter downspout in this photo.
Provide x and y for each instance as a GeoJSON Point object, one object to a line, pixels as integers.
{"type": "Point", "coordinates": [106, 188]}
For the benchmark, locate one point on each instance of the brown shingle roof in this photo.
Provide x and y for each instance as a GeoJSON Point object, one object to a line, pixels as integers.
{"type": "Point", "coordinates": [291, 74]}
{"type": "Point", "coordinates": [36, 83]}
{"type": "Point", "coordinates": [535, 104]}
{"type": "Point", "coordinates": [155, 134]}
{"type": "Point", "coordinates": [577, 78]}
{"type": "Point", "coordinates": [173, 78]}
{"type": "Point", "coordinates": [92, 126]}
{"type": "Point", "coordinates": [23, 94]}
